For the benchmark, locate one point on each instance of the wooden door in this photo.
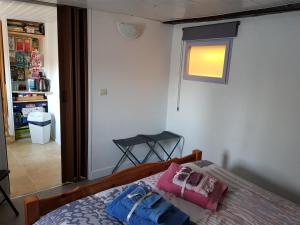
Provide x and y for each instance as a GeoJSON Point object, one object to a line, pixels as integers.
{"type": "Point", "coordinates": [73, 85]}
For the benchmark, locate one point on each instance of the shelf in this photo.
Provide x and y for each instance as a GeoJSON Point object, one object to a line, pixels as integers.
{"type": "Point", "coordinates": [33, 92]}
{"type": "Point", "coordinates": [22, 128]}
{"type": "Point", "coordinates": [38, 36]}
{"type": "Point", "coordinates": [26, 101]}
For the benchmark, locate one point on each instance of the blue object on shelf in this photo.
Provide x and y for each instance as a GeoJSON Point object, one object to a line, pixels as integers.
{"type": "Point", "coordinates": [20, 106]}
{"type": "Point", "coordinates": [18, 119]}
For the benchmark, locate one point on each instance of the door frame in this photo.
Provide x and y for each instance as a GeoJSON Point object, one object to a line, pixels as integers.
{"type": "Point", "coordinates": [11, 125]}
{"type": "Point", "coordinates": [3, 151]}
{"type": "Point", "coordinates": [90, 124]}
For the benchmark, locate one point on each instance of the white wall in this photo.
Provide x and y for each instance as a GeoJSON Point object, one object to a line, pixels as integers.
{"type": "Point", "coordinates": [51, 70]}
{"type": "Point", "coordinates": [135, 73]}
{"type": "Point", "coordinates": [252, 125]}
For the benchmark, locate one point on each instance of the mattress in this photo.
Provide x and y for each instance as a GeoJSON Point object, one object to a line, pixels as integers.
{"type": "Point", "coordinates": [244, 204]}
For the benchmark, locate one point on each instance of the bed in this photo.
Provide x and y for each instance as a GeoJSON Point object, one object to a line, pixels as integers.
{"type": "Point", "coordinates": [245, 203]}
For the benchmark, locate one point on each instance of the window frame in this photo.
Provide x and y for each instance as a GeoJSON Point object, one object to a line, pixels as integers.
{"type": "Point", "coordinates": [223, 41]}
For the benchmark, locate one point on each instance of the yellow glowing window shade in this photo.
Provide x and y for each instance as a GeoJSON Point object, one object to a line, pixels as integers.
{"type": "Point", "coordinates": [207, 61]}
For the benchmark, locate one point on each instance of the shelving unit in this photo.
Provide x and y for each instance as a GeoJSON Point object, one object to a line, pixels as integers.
{"type": "Point", "coordinates": [33, 92]}
{"type": "Point", "coordinates": [26, 40]}
{"type": "Point", "coordinates": [24, 127]}
{"type": "Point", "coordinates": [21, 34]}
{"type": "Point", "coordinates": [28, 101]}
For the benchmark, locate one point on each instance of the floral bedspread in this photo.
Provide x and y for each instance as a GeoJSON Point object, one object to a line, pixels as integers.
{"type": "Point", "coordinates": [244, 204]}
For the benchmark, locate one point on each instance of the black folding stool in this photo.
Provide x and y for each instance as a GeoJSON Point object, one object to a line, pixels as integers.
{"type": "Point", "coordinates": [165, 135]}
{"type": "Point", "coordinates": [152, 150]}
{"type": "Point", "coordinates": [126, 146]}
{"type": "Point", "coordinates": [3, 175]}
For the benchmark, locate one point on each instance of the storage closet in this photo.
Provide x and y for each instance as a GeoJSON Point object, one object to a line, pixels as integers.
{"type": "Point", "coordinates": [30, 87]}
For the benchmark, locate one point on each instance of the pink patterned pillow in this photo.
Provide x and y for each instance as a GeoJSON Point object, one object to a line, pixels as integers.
{"type": "Point", "coordinates": [211, 202]}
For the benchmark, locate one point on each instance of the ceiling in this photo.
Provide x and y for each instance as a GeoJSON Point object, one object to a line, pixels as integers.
{"type": "Point", "coordinates": [25, 11]}
{"type": "Point", "coordinates": [166, 10]}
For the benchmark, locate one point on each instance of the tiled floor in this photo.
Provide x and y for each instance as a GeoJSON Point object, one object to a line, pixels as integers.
{"type": "Point", "coordinates": [33, 167]}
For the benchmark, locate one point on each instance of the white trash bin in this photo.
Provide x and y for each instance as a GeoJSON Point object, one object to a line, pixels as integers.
{"type": "Point", "coordinates": [40, 127]}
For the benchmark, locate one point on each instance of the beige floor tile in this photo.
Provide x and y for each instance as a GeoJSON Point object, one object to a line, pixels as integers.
{"type": "Point", "coordinates": [21, 185]}
{"type": "Point", "coordinates": [33, 167]}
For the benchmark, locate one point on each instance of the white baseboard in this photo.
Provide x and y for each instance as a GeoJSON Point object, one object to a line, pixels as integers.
{"type": "Point", "coordinates": [95, 174]}
{"type": "Point", "coordinates": [98, 173]}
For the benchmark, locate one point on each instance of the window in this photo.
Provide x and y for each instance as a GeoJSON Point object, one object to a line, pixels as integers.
{"type": "Point", "coordinates": [207, 60]}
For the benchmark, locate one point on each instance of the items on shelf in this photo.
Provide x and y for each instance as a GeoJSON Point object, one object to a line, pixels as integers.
{"type": "Point", "coordinates": [29, 97]}
{"type": "Point", "coordinates": [15, 26]}
{"type": "Point", "coordinates": [30, 85]}
{"type": "Point", "coordinates": [29, 65]}
{"type": "Point", "coordinates": [20, 60]}
{"type": "Point", "coordinates": [34, 43]}
{"type": "Point", "coordinates": [44, 83]}
{"type": "Point", "coordinates": [36, 64]}
{"type": "Point", "coordinates": [21, 76]}
{"type": "Point", "coordinates": [25, 27]}
{"type": "Point", "coordinates": [20, 44]}
{"type": "Point", "coordinates": [27, 45]}
{"type": "Point", "coordinates": [26, 61]}
{"type": "Point", "coordinates": [11, 43]}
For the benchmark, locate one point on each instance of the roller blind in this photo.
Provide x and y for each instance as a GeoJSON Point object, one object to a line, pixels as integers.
{"type": "Point", "coordinates": [212, 31]}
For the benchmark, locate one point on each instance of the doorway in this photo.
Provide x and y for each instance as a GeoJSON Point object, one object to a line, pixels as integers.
{"type": "Point", "coordinates": [32, 91]}
{"type": "Point", "coordinates": [65, 29]}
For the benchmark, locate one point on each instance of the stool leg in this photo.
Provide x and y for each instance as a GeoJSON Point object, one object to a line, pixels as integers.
{"type": "Point", "coordinates": [170, 155]}
{"type": "Point", "coordinates": [9, 201]}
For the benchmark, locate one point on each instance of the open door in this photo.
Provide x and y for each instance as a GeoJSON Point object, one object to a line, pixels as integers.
{"type": "Point", "coordinates": [3, 154]}
{"type": "Point", "coordinates": [73, 61]}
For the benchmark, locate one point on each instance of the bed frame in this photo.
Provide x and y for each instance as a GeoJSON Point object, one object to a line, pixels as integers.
{"type": "Point", "coordinates": [34, 207]}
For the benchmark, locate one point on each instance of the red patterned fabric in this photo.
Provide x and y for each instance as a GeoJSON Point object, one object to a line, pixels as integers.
{"type": "Point", "coordinates": [210, 202]}
{"type": "Point", "coordinates": [201, 183]}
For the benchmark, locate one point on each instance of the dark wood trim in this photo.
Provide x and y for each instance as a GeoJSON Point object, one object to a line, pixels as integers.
{"type": "Point", "coordinates": [236, 15]}
{"type": "Point", "coordinates": [66, 87]}
{"type": "Point", "coordinates": [73, 83]}
{"type": "Point", "coordinates": [34, 207]}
